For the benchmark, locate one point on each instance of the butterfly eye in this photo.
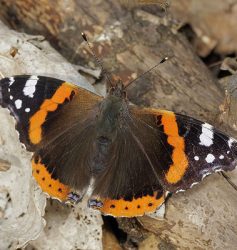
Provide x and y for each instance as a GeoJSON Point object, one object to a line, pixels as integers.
{"type": "Point", "coordinates": [124, 94]}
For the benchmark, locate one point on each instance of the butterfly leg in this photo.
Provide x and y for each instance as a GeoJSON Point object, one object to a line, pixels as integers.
{"type": "Point", "coordinates": [74, 198]}
{"type": "Point", "coordinates": [95, 204]}
{"type": "Point", "coordinates": [129, 207]}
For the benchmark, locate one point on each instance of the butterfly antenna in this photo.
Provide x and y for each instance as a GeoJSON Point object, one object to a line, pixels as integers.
{"type": "Point", "coordinates": [96, 58]}
{"type": "Point", "coordinates": [162, 61]}
{"type": "Point", "coordinates": [229, 180]}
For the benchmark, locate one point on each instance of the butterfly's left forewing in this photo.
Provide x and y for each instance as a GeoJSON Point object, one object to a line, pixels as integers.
{"type": "Point", "coordinates": [47, 111]}
{"type": "Point", "coordinates": [196, 149]}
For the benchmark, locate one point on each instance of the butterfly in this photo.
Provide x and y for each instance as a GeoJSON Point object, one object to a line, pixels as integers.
{"type": "Point", "coordinates": [127, 159]}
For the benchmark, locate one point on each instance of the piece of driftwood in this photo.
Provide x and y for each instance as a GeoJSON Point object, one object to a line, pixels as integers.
{"type": "Point", "coordinates": [131, 41]}
{"type": "Point", "coordinates": [213, 23]}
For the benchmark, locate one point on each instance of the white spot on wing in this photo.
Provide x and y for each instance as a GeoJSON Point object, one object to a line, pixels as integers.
{"type": "Point", "coordinates": [221, 157]}
{"type": "Point", "coordinates": [210, 158]}
{"type": "Point", "coordinates": [206, 138]}
{"type": "Point", "coordinates": [205, 174]}
{"type": "Point", "coordinates": [180, 190]}
{"type": "Point", "coordinates": [27, 110]}
{"type": "Point", "coordinates": [217, 169]}
{"type": "Point", "coordinates": [230, 141]}
{"type": "Point", "coordinates": [11, 97]}
{"type": "Point", "coordinates": [29, 88]}
{"type": "Point", "coordinates": [195, 183]}
{"type": "Point", "coordinates": [196, 158]}
{"type": "Point", "coordinates": [11, 81]}
{"type": "Point", "coordinates": [18, 103]}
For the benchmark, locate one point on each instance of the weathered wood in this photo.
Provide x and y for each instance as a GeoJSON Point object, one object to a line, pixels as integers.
{"type": "Point", "coordinates": [229, 107]}
{"type": "Point", "coordinates": [129, 43]}
{"type": "Point", "coordinates": [213, 22]}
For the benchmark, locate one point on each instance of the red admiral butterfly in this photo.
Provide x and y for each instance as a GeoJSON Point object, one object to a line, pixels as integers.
{"type": "Point", "coordinates": [128, 158]}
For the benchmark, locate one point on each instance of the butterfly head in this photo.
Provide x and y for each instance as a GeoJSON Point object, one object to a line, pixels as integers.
{"type": "Point", "coordinates": [118, 90]}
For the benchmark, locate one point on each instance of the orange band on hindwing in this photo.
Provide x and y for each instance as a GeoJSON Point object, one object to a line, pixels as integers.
{"type": "Point", "coordinates": [52, 187]}
{"type": "Point", "coordinates": [136, 207]}
{"type": "Point", "coordinates": [179, 158]}
{"type": "Point", "coordinates": [62, 94]}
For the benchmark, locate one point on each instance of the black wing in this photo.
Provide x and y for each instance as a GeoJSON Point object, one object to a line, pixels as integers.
{"type": "Point", "coordinates": [53, 118]}
{"type": "Point", "coordinates": [159, 152]}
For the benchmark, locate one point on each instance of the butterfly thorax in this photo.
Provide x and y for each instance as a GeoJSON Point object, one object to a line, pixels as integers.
{"type": "Point", "coordinates": [110, 118]}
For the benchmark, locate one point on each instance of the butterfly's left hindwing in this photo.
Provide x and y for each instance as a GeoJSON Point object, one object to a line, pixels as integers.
{"type": "Point", "coordinates": [49, 116]}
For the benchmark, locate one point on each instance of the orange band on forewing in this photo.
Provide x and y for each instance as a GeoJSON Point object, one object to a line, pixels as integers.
{"type": "Point", "coordinates": [49, 105]}
{"type": "Point", "coordinates": [49, 185]}
{"type": "Point", "coordinates": [136, 207]}
{"type": "Point", "coordinates": [180, 161]}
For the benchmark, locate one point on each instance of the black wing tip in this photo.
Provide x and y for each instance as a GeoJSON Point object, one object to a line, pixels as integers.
{"type": "Point", "coordinates": [1, 98]}
{"type": "Point", "coordinates": [2, 82]}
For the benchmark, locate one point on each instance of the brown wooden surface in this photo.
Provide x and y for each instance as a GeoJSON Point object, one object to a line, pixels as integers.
{"type": "Point", "coordinates": [130, 41]}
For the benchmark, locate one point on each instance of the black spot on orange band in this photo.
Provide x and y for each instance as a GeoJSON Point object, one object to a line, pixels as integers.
{"type": "Point", "coordinates": [135, 207]}
{"type": "Point", "coordinates": [49, 185]}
